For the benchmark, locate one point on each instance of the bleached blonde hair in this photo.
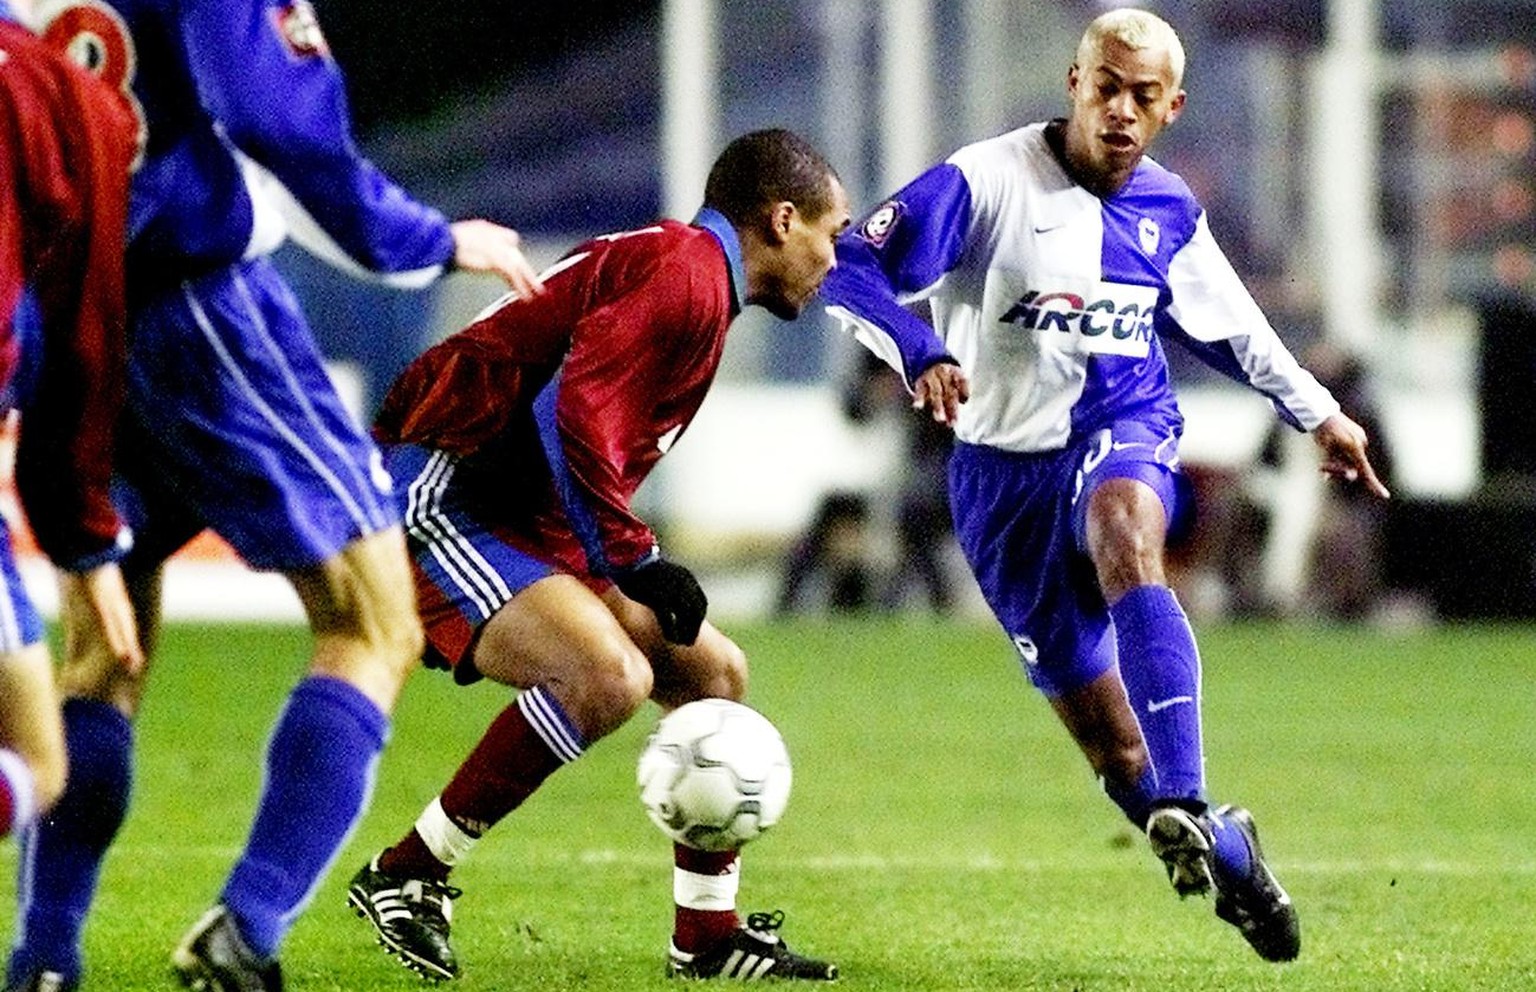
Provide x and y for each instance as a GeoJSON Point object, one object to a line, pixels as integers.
{"type": "Point", "coordinates": [1137, 29]}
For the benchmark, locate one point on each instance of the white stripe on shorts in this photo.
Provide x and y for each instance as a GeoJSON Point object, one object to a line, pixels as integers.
{"type": "Point", "coordinates": [426, 522]}
{"type": "Point", "coordinates": [361, 478]}
{"type": "Point", "coordinates": [357, 513]}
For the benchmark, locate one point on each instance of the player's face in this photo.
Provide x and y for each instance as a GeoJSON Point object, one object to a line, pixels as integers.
{"type": "Point", "coordinates": [805, 256]}
{"type": "Point", "coordinates": [1121, 99]}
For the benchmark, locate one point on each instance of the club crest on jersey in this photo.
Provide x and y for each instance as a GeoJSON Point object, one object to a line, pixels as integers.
{"type": "Point", "coordinates": [1148, 232]}
{"type": "Point", "coordinates": [299, 28]}
{"type": "Point", "coordinates": [1100, 318]}
{"type": "Point", "coordinates": [877, 229]}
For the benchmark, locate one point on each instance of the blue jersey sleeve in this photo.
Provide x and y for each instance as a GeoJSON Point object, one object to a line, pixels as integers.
{"type": "Point", "coordinates": [898, 254]}
{"type": "Point", "coordinates": [263, 71]}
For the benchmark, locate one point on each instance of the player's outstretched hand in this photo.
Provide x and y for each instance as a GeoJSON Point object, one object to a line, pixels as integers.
{"type": "Point", "coordinates": [109, 612]}
{"type": "Point", "coordinates": [481, 246]}
{"type": "Point", "coordinates": [672, 593]}
{"type": "Point", "coordinates": [1343, 442]}
{"type": "Point", "coordinates": [940, 390]}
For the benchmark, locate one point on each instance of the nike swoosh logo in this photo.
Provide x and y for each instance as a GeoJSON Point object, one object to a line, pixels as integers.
{"type": "Point", "coordinates": [1158, 705]}
{"type": "Point", "coordinates": [1122, 445]}
{"type": "Point", "coordinates": [1043, 228]}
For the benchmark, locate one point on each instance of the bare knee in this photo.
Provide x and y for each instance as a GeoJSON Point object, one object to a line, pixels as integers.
{"type": "Point", "coordinates": [607, 689]}
{"type": "Point", "coordinates": [715, 667]}
{"type": "Point", "coordinates": [362, 609]}
{"type": "Point", "coordinates": [726, 675]}
{"type": "Point", "coordinates": [398, 641]}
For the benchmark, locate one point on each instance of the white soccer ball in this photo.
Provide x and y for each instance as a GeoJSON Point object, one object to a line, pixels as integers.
{"type": "Point", "coordinates": [714, 775]}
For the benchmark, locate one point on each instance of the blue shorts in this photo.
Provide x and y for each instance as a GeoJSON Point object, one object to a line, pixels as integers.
{"type": "Point", "coordinates": [235, 425]}
{"type": "Point", "coordinates": [1021, 520]}
{"type": "Point", "coordinates": [465, 568]}
{"type": "Point", "coordinates": [20, 624]}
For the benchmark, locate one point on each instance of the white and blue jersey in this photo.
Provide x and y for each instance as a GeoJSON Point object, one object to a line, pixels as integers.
{"type": "Point", "coordinates": [1056, 303]}
{"type": "Point", "coordinates": [233, 422]}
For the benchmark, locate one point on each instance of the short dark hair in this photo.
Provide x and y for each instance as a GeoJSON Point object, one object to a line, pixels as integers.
{"type": "Point", "coordinates": [762, 168]}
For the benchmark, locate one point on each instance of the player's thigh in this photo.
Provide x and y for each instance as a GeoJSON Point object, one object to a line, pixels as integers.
{"type": "Point", "coordinates": [30, 722]}
{"type": "Point", "coordinates": [246, 425]}
{"type": "Point", "coordinates": [363, 591]}
{"type": "Point", "coordinates": [1013, 522]}
{"type": "Point", "coordinates": [29, 707]}
{"type": "Point", "coordinates": [362, 609]}
{"type": "Point", "coordinates": [558, 634]}
{"type": "Point", "coordinates": [712, 666]}
{"type": "Point", "coordinates": [1128, 491]}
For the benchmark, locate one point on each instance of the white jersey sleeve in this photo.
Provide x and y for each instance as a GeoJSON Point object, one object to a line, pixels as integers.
{"type": "Point", "coordinates": [1210, 304]}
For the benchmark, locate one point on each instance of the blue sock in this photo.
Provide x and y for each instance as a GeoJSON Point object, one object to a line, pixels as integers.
{"type": "Point", "coordinates": [319, 775]}
{"type": "Point", "coordinates": [61, 854]}
{"type": "Point", "coordinates": [1160, 667]}
{"type": "Point", "coordinates": [1136, 800]}
{"type": "Point", "coordinates": [1233, 859]}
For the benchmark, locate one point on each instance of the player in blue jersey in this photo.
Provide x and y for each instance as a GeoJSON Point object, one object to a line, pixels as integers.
{"type": "Point", "coordinates": [1058, 258]}
{"type": "Point", "coordinates": [233, 425]}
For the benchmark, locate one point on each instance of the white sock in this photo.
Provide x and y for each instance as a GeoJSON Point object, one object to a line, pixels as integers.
{"type": "Point", "coordinates": [709, 893]}
{"type": "Point", "coordinates": [448, 842]}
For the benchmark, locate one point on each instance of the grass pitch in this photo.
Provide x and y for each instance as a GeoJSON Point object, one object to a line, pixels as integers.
{"type": "Point", "coordinates": [943, 833]}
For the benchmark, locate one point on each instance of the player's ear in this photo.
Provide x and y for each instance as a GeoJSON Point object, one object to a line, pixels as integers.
{"type": "Point", "coordinates": [1174, 109]}
{"type": "Point", "coordinates": [781, 217]}
{"type": "Point", "coordinates": [1072, 78]}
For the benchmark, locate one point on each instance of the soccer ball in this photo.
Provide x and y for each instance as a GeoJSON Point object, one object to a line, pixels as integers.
{"type": "Point", "coordinates": [714, 775]}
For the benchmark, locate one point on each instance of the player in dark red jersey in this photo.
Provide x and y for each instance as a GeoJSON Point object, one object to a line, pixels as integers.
{"type": "Point", "coordinates": [518, 444]}
{"type": "Point", "coordinates": [66, 144]}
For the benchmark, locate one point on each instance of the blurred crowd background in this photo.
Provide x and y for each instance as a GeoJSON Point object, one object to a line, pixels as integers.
{"type": "Point", "coordinates": [1369, 167]}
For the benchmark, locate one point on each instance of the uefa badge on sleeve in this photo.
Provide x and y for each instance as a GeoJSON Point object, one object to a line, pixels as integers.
{"type": "Point", "coordinates": [877, 229]}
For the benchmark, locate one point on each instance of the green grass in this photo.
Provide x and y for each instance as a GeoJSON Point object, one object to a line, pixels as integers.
{"type": "Point", "coordinates": [943, 833]}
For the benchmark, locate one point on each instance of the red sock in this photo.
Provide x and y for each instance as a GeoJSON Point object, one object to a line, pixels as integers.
{"type": "Point", "coordinates": [704, 889]}
{"type": "Point", "coordinates": [411, 858]}
{"type": "Point", "coordinates": [526, 743]}
{"type": "Point", "coordinates": [7, 808]}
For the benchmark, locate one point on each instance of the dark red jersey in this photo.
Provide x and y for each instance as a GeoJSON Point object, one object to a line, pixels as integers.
{"type": "Point", "coordinates": [562, 403]}
{"type": "Point", "coordinates": [67, 141]}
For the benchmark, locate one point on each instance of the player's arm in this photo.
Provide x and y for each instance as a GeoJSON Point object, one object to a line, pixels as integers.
{"type": "Point", "coordinates": [898, 254]}
{"type": "Point", "coordinates": [64, 456]}
{"type": "Point", "coordinates": [597, 422]}
{"type": "Point", "coordinates": [1213, 314]}
{"type": "Point", "coordinates": [64, 453]}
{"type": "Point", "coordinates": [264, 71]}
